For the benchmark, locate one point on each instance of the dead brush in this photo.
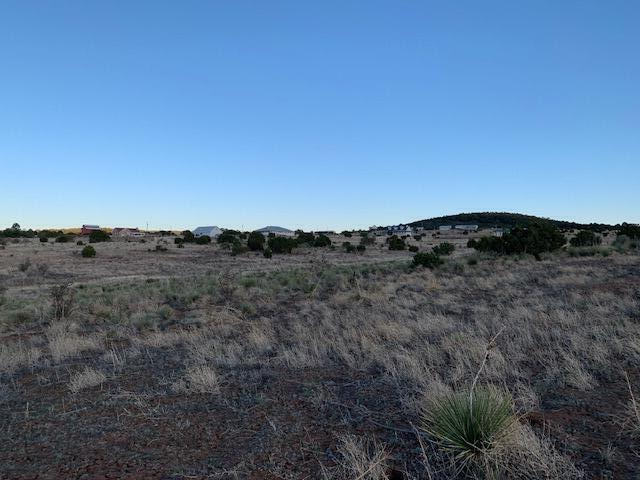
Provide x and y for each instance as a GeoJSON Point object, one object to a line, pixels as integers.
{"type": "Point", "coordinates": [226, 287]}
{"type": "Point", "coordinates": [360, 459]}
{"type": "Point", "coordinates": [63, 301]}
{"type": "Point", "coordinates": [24, 265]}
{"type": "Point", "coordinates": [634, 410]}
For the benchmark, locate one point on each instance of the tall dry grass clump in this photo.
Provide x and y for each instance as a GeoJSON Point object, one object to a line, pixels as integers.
{"type": "Point", "coordinates": [198, 379]}
{"type": "Point", "coordinates": [87, 378]}
{"type": "Point", "coordinates": [360, 459]}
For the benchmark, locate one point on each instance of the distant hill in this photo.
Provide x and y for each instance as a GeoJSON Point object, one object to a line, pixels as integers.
{"type": "Point", "coordinates": [505, 220]}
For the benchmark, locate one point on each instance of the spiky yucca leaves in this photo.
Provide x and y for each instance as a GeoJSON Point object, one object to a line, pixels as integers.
{"type": "Point", "coordinates": [473, 426]}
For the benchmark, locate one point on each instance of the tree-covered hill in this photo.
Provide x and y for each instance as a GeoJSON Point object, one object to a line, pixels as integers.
{"type": "Point", "coordinates": [505, 220]}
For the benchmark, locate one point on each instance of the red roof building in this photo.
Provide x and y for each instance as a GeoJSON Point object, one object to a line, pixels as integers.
{"type": "Point", "coordinates": [87, 229]}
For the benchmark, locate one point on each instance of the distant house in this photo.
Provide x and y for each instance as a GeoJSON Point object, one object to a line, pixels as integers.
{"type": "Point", "coordinates": [467, 228]}
{"type": "Point", "coordinates": [87, 229]}
{"type": "Point", "coordinates": [399, 230]}
{"type": "Point", "coordinates": [126, 232]}
{"type": "Point", "coordinates": [272, 229]}
{"type": "Point", "coordinates": [498, 232]}
{"type": "Point", "coordinates": [212, 231]}
{"type": "Point", "coordinates": [444, 228]}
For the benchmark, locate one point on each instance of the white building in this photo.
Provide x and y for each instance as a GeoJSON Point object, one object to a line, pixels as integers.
{"type": "Point", "coordinates": [377, 231]}
{"type": "Point", "coordinates": [212, 232]}
{"type": "Point", "coordinates": [399, 230]}
{"type": "Point", "coordinates": [444, 228]}
{"type": "Point", "coordinates": [280, 231]}
{"type": "Point", "coordinates": [126, 232]}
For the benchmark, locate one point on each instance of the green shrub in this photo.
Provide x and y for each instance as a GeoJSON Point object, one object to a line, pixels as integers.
{"type": "Point", "coordinates": [417, 238]}
{"type": "Point", "coordinates": [486, 244]}
{"type": "Point", "coordinates": [88, 251]}
{"type": "Point", "coordinates": [160, 248]}
{"type": "Point", "coordinates": [16, 232]}
{"type": "Point", "coordinates": [533, 240]}
{"type": "Point", "coordinates": [367, 240]}
{"type": "Point", "coordinates": [322, 241]}
{"type": "Point", "coordinates": [281, 244]}
{"type": "Point", "coordinates": [267, 253]}
{"type": "Point", "coordinates": [396, 243]}
{"type": "Point", "coordinates": [630, 231]}
{"type": "Point", "coordinates": [256, 241]}
{"type": "Point", "coordinates": [203, 240]}
{"type": "Point", "coordinates": [348, 247]}
{"type": "Point", "coordinates": [623, 243]}
{"type": "Point", "coordinates": [237, 248]}
{"type": "Point", "coordinates": [445, 248]}
{"type": "Point", "coordinates": [472, 261]}
{"type": "Point", "coordinates": [98, 236]}
{"type": "Point", "coordinates": [178, 241]}
{"type": "Point", "coordinates": [63, 239]}
{"type": "Point", "coordinates": [347, 234]}
{"type": "Point", "coordinates": [228, 236]}
{"type": "Point", "coordinates": [79, 242]}
{"type": "Point", "coordinates": [50, 233]}
{"type": "Point", "coordinates": [413, 248]}
{"type": "Point", "coordinates": [589, 251]}
{"type": "Point", "coordinates": [361, 248]}
{"type": "Point", "coordinates": [188, 237]}
{"type": "Point", "coordinates": [44, 239]}
{"type": "Point", "coordinates": [585, 238]}
{"type": "Point", "coordinates": [304, 237]}
{"type": "Point", "coordinates": [471, 428]}
{"type": "Point", "coordinates": [427, 259]}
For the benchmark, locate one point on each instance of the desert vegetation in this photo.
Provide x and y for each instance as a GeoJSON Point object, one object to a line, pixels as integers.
{"type": "Point", "coordinates": [441, 364]}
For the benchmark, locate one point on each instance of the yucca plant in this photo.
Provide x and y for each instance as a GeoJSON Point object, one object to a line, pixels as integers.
{"type": "Point", "coordinates": [471, 425]}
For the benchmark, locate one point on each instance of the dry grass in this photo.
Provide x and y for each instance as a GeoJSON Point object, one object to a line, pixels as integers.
{"type": "Point", "coordinates": [14, 356]}
{"type": "Point", "coordinates": [198, 379]}
{"type": "Point", "coordinates": [568, 325]}
{"type": "Point", "coordinates": [360, 459]}
{"type": "Point", "coordinates": [87, 378]}
{"type": "Point", "coordinates": [64, 342]}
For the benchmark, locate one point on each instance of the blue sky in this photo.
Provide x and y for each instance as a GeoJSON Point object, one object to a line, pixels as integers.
{"type": "Point", "coordinates": [317, 114]}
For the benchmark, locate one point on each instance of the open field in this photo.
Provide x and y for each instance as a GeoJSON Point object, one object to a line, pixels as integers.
{"type": "Point", "coordinates": [192, 363]}
{"type": "Point", "coordinates": [119, 260]}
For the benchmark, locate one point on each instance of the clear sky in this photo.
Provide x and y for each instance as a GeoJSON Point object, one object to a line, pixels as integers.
{"type": "Point", "coordinates": [317, 114]}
